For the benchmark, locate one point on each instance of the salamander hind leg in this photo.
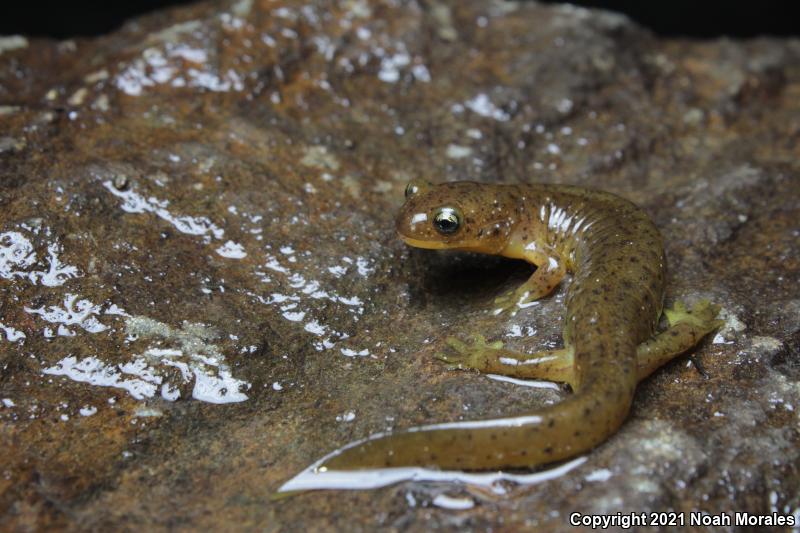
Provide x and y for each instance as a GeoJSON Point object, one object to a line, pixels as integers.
{"type": "Point", "coordinates": [686, 328]}
{"type": "Point", "coordinates": [492, 358]}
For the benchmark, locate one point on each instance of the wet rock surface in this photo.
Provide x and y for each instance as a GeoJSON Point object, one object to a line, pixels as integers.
{"type": "Point", "coordinates": [201, 292]}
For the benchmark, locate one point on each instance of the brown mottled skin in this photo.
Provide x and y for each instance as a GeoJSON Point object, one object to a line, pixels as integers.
{"type": "Point", "coordinates": [616, 255]}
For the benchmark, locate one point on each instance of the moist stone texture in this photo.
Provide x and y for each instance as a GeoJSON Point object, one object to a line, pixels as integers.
{"type": "Point", "coordinates": [201, 291]}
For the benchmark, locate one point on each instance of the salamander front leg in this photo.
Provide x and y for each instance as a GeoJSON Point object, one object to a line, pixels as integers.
{"type": "Point", "coordinates": [492, 358]}
{"type": "Point", "coordinates": [548, 275]}
{"type": "Point", "coordinates": [686, 328]}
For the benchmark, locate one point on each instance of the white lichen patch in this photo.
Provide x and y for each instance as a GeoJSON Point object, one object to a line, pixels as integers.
{"type": "Point", "coordinates": [319, 157]}
{"type": "Point", "coordinates": [96, 76]}
{"type": "Point", "coordinates": [196, 358]}
{"type": "Point", "coordinates": [12, 42]}
{"type": "Point", "coordinates": [731, 328]}
{"type": "Point", "coordinates": [6, 110]}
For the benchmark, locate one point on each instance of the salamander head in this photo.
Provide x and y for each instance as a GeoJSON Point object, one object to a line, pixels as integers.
{"type": "Point", "coordinates": [460, 215]}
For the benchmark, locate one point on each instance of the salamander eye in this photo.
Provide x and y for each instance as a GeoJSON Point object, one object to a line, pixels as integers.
{"type": "Point", "coordinates": [417, 185]}
{"type": "Point", "coordinates": [447, 220]}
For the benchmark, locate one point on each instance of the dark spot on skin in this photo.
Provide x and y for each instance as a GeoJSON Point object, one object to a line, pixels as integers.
{"type": "Point", "coordinates": [524, 453]}
{"type": "Point", "coordinates": [433, 457]}
{"type": "Point", "coordinates": [551, 423]}
{"type": "Point", "coordinates": [494, 437]}
{"type": "Point", "coordinates": [548, 450]}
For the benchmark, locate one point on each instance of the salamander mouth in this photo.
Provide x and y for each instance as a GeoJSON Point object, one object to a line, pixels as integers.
{"type": "Point", "coordinates": [438, 244]}
{"type": "Point", "coordinates": [418, 243]}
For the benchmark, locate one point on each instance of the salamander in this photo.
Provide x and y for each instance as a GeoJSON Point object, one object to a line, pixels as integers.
{"type": "Point", "coordinates": [616, 257]}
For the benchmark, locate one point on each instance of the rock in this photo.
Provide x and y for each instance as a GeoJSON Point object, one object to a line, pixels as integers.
{"type": "Point", "coordinates": [200, 205]}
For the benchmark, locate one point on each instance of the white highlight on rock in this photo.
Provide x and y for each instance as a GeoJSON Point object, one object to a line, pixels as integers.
{"type": "Point", "coordinates": [143, 375]}
{"type": "Point", "coordinates": [314, 478]}
{"type": "Point", "coordinates": [363, 267]}
{"type": "Point", "coordinates": [456, 504]}
{"type": "Point", "coordinates": [15, 252]}
{"type": "Point", "coordinates": [553, 148]}
{"type": "Point", "coordinates": [353, 353]}
{"type": "Point", "coordinates": [390, 67]}
{"type": "Point", "coordinates": [421, 73]}
{"type": "Point", "coordinates": [315, 327]}
{"type": "Point", "coordinates": [136, 203]}
{"type": "Point", "coordinates": [158, 67]}
{"type": "Point", "coordinates": [602, 474]}
{"type": "Point", "coordinates": [74, 313]}
{"type": "Point", "coordinates": [87, 410]}
{"type": "Point", "coordinates": [349, 416]}
{"type": "Point", "coordinates": [114, 309]}
{"type": "Point", "coordinates": [17, 255]}
{"type": "Point", "coordinates": [12, 335]}
{"type": "Point", "coordinates": [483, 106]}
{"type": "Point", "coordinates": [337, 270]}
{"type": "Point", "coordinates": [294, 316]}
{"type": "Point", "coordinates": [564, 105]}
{"type": "Point", "coordinates": [525, 382]}
{"type": "Point", "coordinates": [455, 151]}
{"type": "Point", "coordinates": [232, 250]}
{"type": "Point", "coordinates": [138, 380]}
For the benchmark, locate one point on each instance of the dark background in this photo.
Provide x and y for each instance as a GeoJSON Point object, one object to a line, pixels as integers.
{"type": "Point", "coordinates": [697, 18]}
